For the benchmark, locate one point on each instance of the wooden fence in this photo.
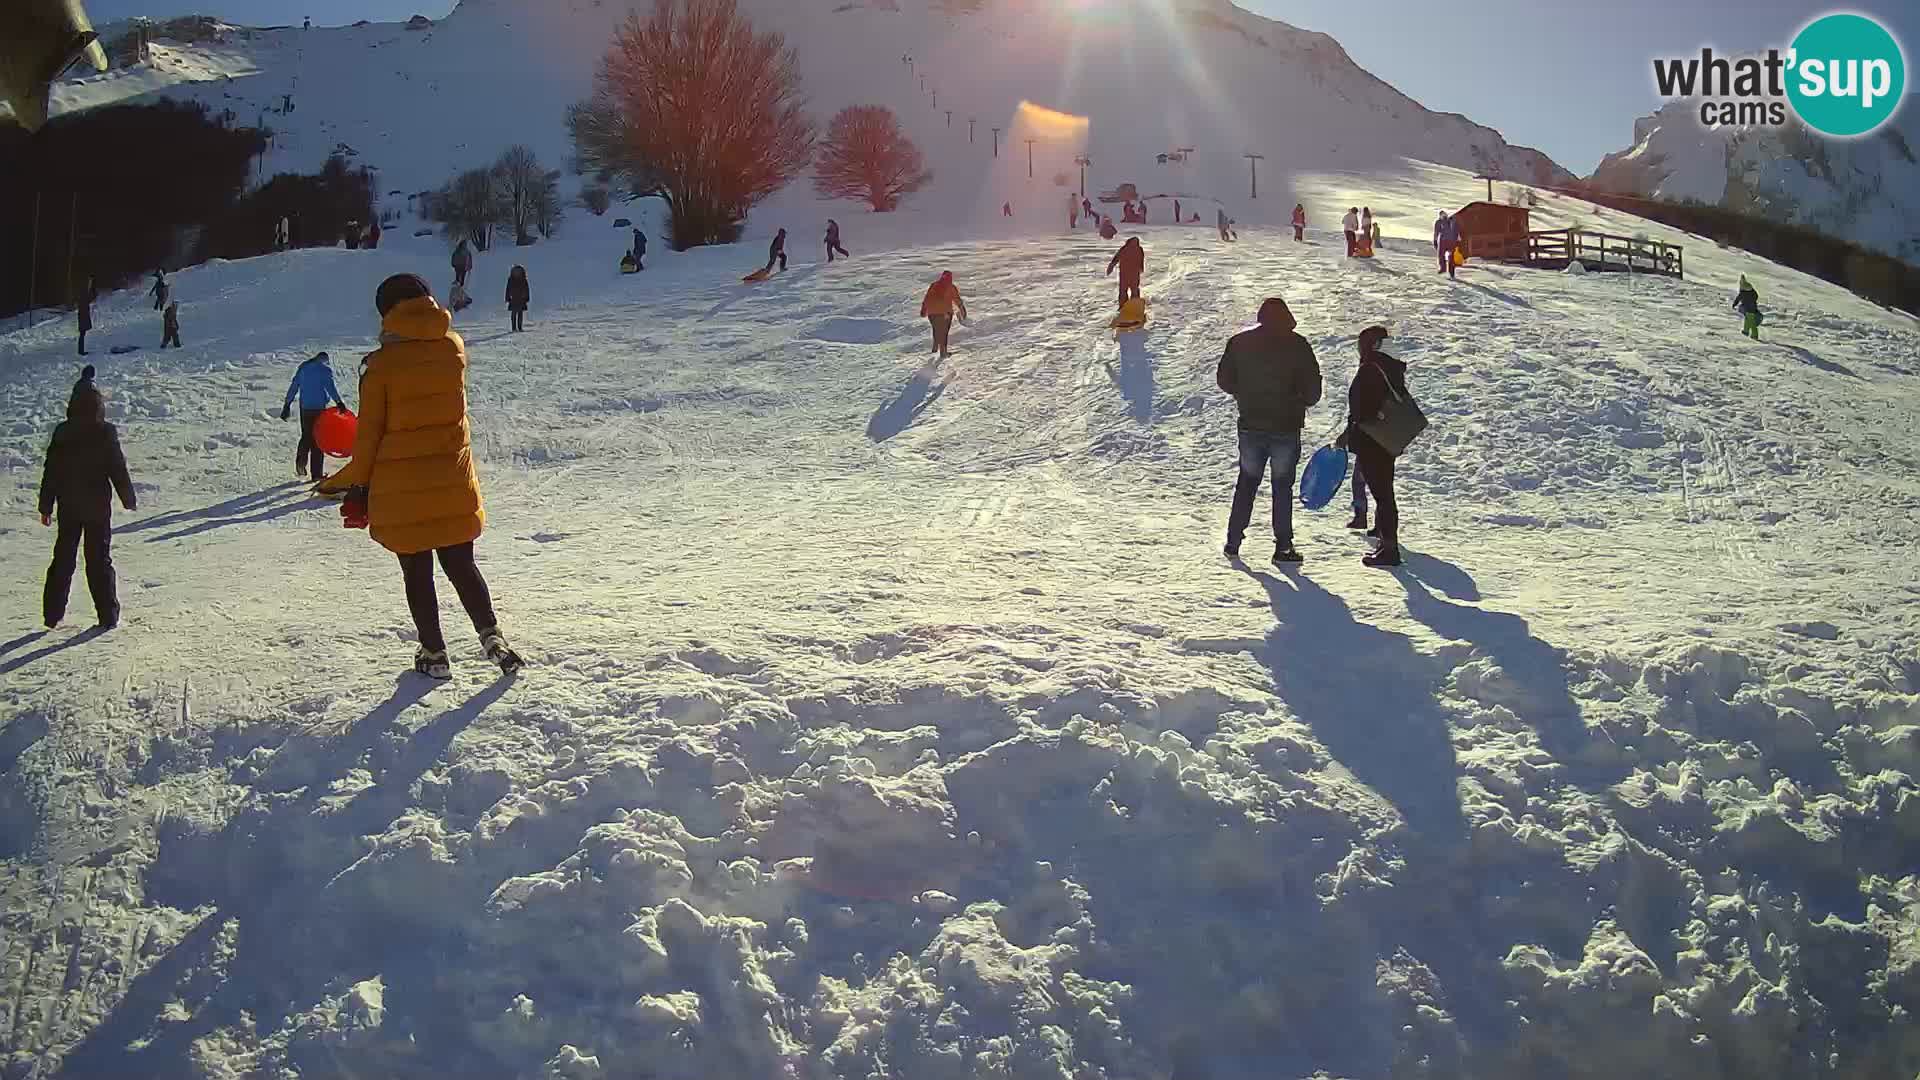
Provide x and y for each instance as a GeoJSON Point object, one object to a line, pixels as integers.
{"type": "Point", "coordinates": [1553, 249]}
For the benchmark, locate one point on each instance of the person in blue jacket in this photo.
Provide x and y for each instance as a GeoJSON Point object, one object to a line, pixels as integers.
{"type": "Point", "coordinates": [313, 385]}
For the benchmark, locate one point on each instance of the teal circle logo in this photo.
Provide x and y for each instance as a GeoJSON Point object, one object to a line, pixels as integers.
{"type": "Point", "coordinates": [1846, 75]}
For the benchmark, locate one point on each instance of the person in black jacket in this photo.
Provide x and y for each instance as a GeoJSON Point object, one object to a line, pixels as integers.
{"type": "Point", "coordinates": [1379, 377]}
{"type": "Point", "coordinates": [86, 313]}
{"type": "Point", "coordinates": [519, 295]}
{"type": "Point", "coordinates": [170, 326]}
{"type": "Point", "coordinates": [833, 241]}
{"type": "Point", "coordinates": [1272, 372]}
{"type": "Point", "coordinates": [85, 469]}
{"type": "Point", "coordinates": [777, 251]}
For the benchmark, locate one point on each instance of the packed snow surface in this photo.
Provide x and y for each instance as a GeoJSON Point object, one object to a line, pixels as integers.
{"type": "Point", "coordinates": [897, 717]}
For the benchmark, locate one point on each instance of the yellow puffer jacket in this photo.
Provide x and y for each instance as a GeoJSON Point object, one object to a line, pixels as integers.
{"type": "Point", "coordinates": [413, 452]}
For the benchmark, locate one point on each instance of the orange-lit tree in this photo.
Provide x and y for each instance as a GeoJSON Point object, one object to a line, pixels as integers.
{"type": "Point", "coordinates": [867, 156]}
{"type": "Point", "coordinates": [691, 103]}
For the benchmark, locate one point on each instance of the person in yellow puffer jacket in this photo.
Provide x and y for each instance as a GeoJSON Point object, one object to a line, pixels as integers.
{"type": "Point", "coordinates": [412, 479]}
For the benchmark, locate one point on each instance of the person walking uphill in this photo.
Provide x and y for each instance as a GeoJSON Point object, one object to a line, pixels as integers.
{"type": "Point", "coordinates": [85, 470]}
{"type": "Point", "coordinates": [1380, 376]}
{"type": "Point", "coordinates": [1747, 303]}
{"type": "Point", "coordinates": [1132, 261]}
{"type": "Point", "coordinates": [162, 291]}
{"type": "Point", "coordinates": [170, 326]}
{"type": "Point", "coordinates": [411, 480]}
{"type": "Point", "coordinates": [833, 241]}
{"type": "Point", "coordinates": [519, 295]}
{"type": "Point", "coordinates": [313, 384]}
{"type": "Point", "coordinates": [777, 252]}
{"type": "Point", "coordinates": [941, 304]}
{"type": "Point", "coordinates": [1272, 373]}
{"type": "Point", "coordinates": [462, 263]}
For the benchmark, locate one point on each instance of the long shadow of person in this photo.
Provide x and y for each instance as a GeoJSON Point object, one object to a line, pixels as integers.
{"type": "Point", "coordinates": [897, 415]}
{"type": "Point", "coordinates": [275, 873]}
{"type": "Point", "coordinates": [1534, 686]}
{"type": "Point", "coordinates": [1371, 699]}
{"type": "Point", "coordinates": [234, 507]}
{"type": "Point", "coordinates": [1135, 376]}
{"type": "Point", "coordinates": [38, 655]}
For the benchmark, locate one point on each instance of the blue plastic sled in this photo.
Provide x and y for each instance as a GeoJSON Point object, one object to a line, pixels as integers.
{"type": "Point", "coordinates": [1326, 471]}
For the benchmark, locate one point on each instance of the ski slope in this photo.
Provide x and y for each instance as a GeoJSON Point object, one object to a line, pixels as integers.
{"type": "Point", "coordinates": [1120, 81]}
{"type": "Point", "coordinates": [900, 718]}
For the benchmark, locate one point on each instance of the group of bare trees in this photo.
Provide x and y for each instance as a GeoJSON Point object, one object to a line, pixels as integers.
{"type": "Point", "coordinates": [515, 191]}
{"type": "Point", "coordinates": [692, 104]}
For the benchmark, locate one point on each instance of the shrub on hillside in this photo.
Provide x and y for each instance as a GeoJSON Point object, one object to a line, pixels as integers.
{"type": "Point", "coordinates": [692, 103]}
{"type": "Point", "coordinates": [866, 156]}
{"type": "Point", "coordinates": [596, 200]}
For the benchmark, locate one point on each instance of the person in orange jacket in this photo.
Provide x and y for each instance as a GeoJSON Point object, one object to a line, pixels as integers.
{"type": "Point", "coordinates": [942, 303]}
{"type": "Point", "coordinates": [411, 481]}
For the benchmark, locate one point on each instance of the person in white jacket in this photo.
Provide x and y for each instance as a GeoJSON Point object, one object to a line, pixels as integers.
{"type": "Point", "coordinates": [1350, 224]}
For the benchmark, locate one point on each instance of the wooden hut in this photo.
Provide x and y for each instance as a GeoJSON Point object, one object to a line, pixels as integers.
{"type": "Point", "coordinates": [1491, 229]}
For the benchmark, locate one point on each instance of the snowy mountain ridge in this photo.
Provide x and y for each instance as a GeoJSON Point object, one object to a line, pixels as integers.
{"type": "Point", "coordinates": [1865, 190]}
{"type": "Point", "coordinates": [1149, 77]}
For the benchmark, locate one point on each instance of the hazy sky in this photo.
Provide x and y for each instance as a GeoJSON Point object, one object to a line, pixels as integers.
{"type": "Point", "coordinates": [1565, 76]}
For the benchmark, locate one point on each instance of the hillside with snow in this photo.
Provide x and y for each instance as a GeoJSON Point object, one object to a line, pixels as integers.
{"type": "Point", "coordinates": [1865, 190]}
{"type": "Point", "coordinates": [1149, 77]}
{"type": "Point", "coordinates": [895, 717]}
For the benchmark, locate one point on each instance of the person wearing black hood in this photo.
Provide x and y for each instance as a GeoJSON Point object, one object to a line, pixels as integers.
{"type": "Point", "coordinates": [85, 313]}
{"type": "Point", "coordinates": [1380, 376]}
{"type": "Point", "coordinates": [1274, 377]}
{"type": "Point", "coordinates": [85, 469]}
{"type": "Point", "coordinates": [777, 251]}
{"type": "Point", "coordinates": [833, 241]}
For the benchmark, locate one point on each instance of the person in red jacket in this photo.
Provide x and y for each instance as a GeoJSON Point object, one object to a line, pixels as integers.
{"type": "Point", "coordinates": [1132, 261]}
{"type": "Point", "coordinates": [1299, 222]}
{"type": "Point", "coordinates": [942, 303]}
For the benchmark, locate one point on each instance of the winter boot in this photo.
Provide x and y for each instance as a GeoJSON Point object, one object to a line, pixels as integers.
{"type": "Point", "coordinates": [432, 664]}
{"type": "Point", "coordinates": [1284, 554]}
{"type": "Point", "coordinates": [1386, 556]}
{"type": "Point", "coordinates": [494, 644]}
{"type": "Point", "coordinates": [1359, 522]}
{"type": "Point", "coordinates": [1232, 552]}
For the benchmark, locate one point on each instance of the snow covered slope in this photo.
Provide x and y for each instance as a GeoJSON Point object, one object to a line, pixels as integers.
{"type": "Point", "coordinates": [1151, 77]}
{"type": "Point", "coordinates": [900, 719]}
{"type": "Point", "coordinates": [1865, 190]}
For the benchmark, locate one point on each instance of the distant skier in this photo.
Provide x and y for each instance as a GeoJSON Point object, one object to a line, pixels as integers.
{"type": "Point", "coordinates": [833, 241]}
{"type": "Point", "coordinates": [1086, 210]}
{"type": "Point", "coordinates": [1006, 209]}
{"type": "Point", "coordinates": [1132, 261]}
{"type": "Point", "coordinates": [84, 312]}
{"type": "Point", "coordinates": [162, 291]}
{"type": "Point", "coordinates": [941, 304]}
{"type": "Point", "coordinates": [373, 235]}
{"type": "Point", "coordinates": [777, 251]}
{"type": "Point", "coordinates": [1226, 233]}
{"type": "Point", "coordinates": [85, 469]}
{"type": "Point", "coordinates": [1272, 373]}
{"type": "Point", "coordinates": [1747, 302]}
{"type": "Point", "coordinates": [1446, 237]}
{"type": "Point", "coordinates": [1176, 211]}
{"type": "Point", "coordinates": [519, 295]}
{"type": "Point", "coordinates": [411, 481]}
{"type": "Point", "coordinates": [1380, 377]}
{"type": "Point", "coordinates": [1073, 211]}
{"type": "Point", "coordinates": [639, 250]}
{"type": "Point", "coordinates": [170, 326]}
{"type": "Point", "coordinates": [462, 262]}
{"type": "Point", "coordinates": [313, 384]}
{"type": "Point", "coordinates": [1350, 224]}
{"type": "Point", "coordinates": [1107, 230]}
{"type": "Point", "coordinates": [1299, 222]}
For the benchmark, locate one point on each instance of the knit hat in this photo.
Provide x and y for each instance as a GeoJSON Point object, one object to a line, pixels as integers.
{"type": "Point", "coordinates": [399, 289]}
{"type": "Point", "coordinates": [85, 403]}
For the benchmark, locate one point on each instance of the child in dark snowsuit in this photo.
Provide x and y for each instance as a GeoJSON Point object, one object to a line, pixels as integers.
{"type": "Point", "coordinates": [519, 295]}
{"type": "Point", "coordinates": [833, 241]}
{"type": "Point", "coordinates": [85, 470]}
{"type": "Point", "coordinates": [161, 292]}
{"type": "Point", "coordinates": [639, 252]}
{"type": "Point", "coordinates": [170, 326]}
{"type": "Point", "coordinates": [462, 263]}
{"type": "Point", "coordinates": [1132, 261]}
{"type": "Point", "coordinates": [1747, 302]}
{"type": "Point", "coordinates": [86, 313]}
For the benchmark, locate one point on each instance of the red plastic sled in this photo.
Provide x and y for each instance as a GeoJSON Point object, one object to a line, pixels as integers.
{"type": "Point", "coordinates": [334, 432]}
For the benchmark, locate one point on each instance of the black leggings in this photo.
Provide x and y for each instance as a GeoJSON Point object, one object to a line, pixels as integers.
{"type": "Point", "coordinates": [309, 456]}
{"type": "Point", "coordinates": [457, 563]}
{"type": "Point", "coordinates": [519, 319]}
{"type": "Point", "coordinates": [1376, 465]}
{"type": "Point", "coordinates": [97, 537]}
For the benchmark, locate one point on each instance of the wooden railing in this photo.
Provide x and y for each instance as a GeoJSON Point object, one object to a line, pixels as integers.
{"type": "Point", "coordinates": [1553, 249]}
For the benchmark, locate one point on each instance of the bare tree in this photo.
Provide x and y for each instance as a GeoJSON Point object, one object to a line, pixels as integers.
{"type": "Point", "coordinates": [468, 206]}
{"type": "Point", "coordinates": [524, 186]}
{"type": "Point", "coordinates": [867, 156]}
{"type": "Point", "coordinates": [692, 103]}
